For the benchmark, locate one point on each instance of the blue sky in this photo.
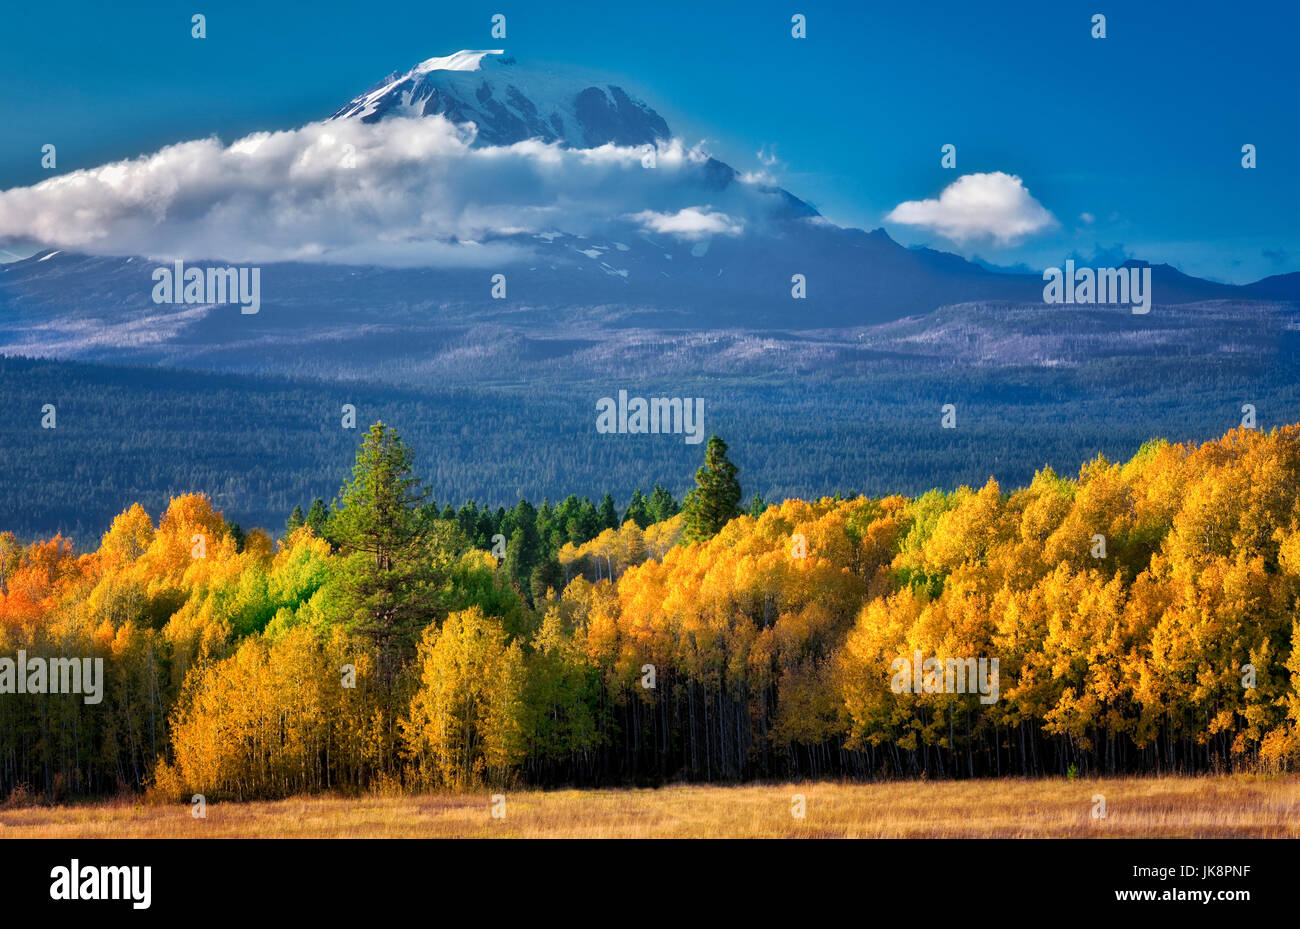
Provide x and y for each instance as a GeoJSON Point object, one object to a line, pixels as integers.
{"type": "Point", "coordinates": [1141, 131]}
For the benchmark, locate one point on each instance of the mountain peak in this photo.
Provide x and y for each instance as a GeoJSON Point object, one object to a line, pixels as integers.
{"type": "Point", "coordinates": [509, 103]}
{"type": "Point", "coordinates": [464, 60]}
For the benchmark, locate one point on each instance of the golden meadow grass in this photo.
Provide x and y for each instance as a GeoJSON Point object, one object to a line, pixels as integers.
{"type": "Point", "coordinates": [1189, 807]}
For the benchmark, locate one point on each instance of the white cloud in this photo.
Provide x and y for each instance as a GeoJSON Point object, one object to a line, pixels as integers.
{"type": "Point", "coordinates": [759, 178]}
{"type": "Point", "coordinates": [691, 223]}
{"type": "Point", "coordinates": [995, 206]}
{"type": "Point", "coordinates": [767, 174]}
{"type": "Point", "coordinates": [395, 192]}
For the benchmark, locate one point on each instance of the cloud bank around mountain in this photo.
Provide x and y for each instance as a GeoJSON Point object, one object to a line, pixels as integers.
{"type": "Point", "coordinates": [398, 192]}
{"type": "Point", "coordinates": [994, 207]}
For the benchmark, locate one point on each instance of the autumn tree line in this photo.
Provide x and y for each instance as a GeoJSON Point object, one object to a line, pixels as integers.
{"type": "Point", "coordinates": [527, 538]}
{"type": "Point", "coordinates": [1143, 616]}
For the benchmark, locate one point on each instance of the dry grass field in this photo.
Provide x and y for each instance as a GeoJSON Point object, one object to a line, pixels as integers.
{"type": "Point", "coordinates": [1244, 806]}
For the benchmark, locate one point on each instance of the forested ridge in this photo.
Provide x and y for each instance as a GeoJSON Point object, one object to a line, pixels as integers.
{"type": "Point", "coordinates": [260, 445]}
{"type": "Point", "coordinates": [1143, 615]}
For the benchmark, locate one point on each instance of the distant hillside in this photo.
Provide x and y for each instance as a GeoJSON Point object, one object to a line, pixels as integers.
{"type": "Point", "coordinates": [259, 446]}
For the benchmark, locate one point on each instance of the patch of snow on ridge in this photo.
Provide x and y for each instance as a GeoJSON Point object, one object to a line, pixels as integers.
{"type": "Point", "coordinates": [463, 60]}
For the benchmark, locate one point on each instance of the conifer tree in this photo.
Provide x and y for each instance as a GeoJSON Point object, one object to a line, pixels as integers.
{"type": "Point", "coordinates": [607, 514]}
{"type": "Point", "coordinates": [318, 517]}
{"type": "Point", "coordinates": [662, 506]}
{"type": "Point", "coordinates": [524, 549]}
{"type": "Point", "coordinates": [716, 497]}
{"type": "Point", "coordinates": [637, 509]}
{"type": "Point", "coordinates": [379, 523]}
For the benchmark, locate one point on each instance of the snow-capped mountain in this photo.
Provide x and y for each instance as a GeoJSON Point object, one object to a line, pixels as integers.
{"type": "Point", "coordinates": [695, 252]}
{"type": "Point", "coordinates": [509, 102]}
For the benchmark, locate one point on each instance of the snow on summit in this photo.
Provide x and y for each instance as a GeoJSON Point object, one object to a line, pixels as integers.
{"type": "Point", "coordinates": [509, 102]}
{"type": "Point", "coordinates": [380, 184]}
{"type": "Point", "coordinates": [461, 61]}
{"type": "Point", "coordinates": [369, 102]}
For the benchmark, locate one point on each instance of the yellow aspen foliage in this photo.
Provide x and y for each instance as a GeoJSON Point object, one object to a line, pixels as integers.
{"type": "Point", "coordinates": [466, 720]}
{"type": "Point", "coordinates": [1139, 616]}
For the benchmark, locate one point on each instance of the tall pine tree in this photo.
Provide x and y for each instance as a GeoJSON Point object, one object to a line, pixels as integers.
{"type": "Point", "coordinates": [380, 525]}
{"type": "Point", "coordinates": [716, 497]}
